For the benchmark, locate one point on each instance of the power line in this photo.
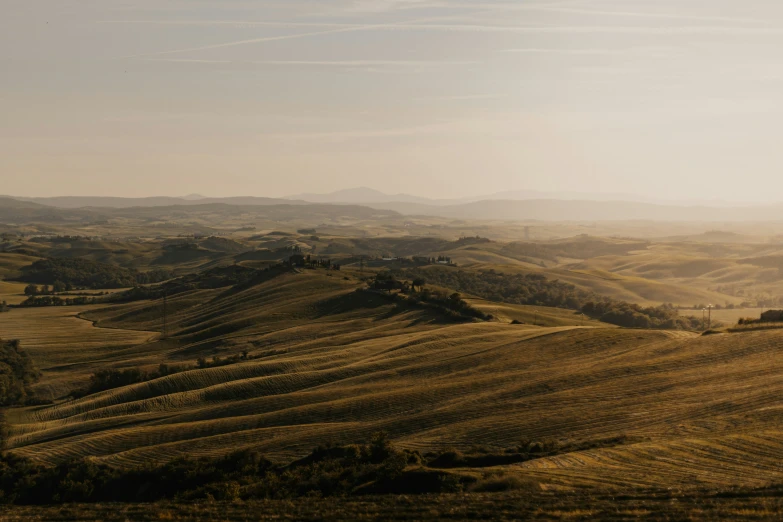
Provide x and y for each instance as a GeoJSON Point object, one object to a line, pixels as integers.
{"type": "Point", "coordinates": [165, 314]}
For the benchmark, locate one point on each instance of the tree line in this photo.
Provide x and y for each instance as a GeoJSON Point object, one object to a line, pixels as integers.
{"type": "Point", "coordinates": [415, 293]}
{"type": "Point", "coordinates": [17, 374]}
{"type": "Point", "coordinates": [74, 273]}
{"type": "Point", "coordinates": [537, 290]}
{"type": "Point", "coordinates": [109, 379]}
{"type": "Point", "coordinates": [373, 467]}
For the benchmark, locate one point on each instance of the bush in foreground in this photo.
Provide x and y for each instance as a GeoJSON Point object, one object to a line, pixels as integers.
{"type": "Point", "coordinates": [376, 467]}
{"type": "Point", "coordinates": [17, 373]}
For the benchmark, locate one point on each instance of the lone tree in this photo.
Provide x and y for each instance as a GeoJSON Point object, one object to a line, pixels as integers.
{"type": "Point", "coordinates": [418, 283]}
{"type": "Point", "coordinates": [31, 290]}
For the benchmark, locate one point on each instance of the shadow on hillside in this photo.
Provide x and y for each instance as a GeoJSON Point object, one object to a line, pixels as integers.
{"type": "Point", "coordinates": [395, 307]}
{"type": "Point", "coordinates": [261, 276]}
{"type": "Point", "coordinates": [350, 302]}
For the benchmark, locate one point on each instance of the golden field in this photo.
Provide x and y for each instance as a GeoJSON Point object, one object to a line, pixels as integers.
{"type": "Point", "coordinates": [334, 366]}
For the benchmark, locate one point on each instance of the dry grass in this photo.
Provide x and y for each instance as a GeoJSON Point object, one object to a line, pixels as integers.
{"type": "Point", "coordinates": [703, 410]}
{"type": "Point", "coordinates": [728, 317]}
{"type": "Point", "coordinates": [66, 348]}
{"type": "Point", "coordinates": [12, 293]}
{"type": "Point", "coordinates": [11, 264]}
{"type": "Point", "coordinates": [654, 505]}
{"type": "Point", "coordinates": [534, 315]}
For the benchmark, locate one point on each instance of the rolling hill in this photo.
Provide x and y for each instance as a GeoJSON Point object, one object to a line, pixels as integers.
{"type": "Point", "coordinates": [329, 364]}
{"type": "Point", "coordinates": [77, 202]}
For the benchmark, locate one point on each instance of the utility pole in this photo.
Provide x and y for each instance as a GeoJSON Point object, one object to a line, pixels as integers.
{"type": "Point", "coordinates": [709, 316]}
{"type": "Point", "coordinates": [165, 314]}
{"type": "Point", "coordinates": [702, 318]}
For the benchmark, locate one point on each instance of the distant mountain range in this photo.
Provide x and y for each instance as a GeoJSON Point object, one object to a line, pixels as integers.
{"type": "Point", "coordinates": [74, 202]}
{"type": "Point", "coordinates": [363, 195]}
{"type": "Point", "coordinates": [508, 206]}
{"type": "Point", "coordinates": [367, 196]}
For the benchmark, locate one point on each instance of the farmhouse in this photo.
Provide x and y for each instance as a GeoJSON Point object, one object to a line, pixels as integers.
{"type": "Point", "coordinates": [296, 260]}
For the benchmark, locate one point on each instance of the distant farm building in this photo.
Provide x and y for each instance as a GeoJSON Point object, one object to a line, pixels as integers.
{"type": "Point", "coordinates": [296, 260]}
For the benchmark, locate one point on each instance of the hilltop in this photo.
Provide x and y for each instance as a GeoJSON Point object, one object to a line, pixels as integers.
{"type": "Point", "coordinates": [325, 363]}
{"type": "Point", "coordinates": [488, 363]}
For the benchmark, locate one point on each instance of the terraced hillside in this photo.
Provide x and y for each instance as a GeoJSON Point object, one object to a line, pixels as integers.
{"type": "Point", "coordinates": [682, 271]}
{"type": "Point", "coordinates": [68, 349]}
{"type": "Point", "coordinates": [717, 273]}
{"type": "Point", "coordinates": [328, 364]}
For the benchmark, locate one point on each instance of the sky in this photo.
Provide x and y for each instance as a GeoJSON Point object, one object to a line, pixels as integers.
{"type": "Point", "coordinates": [673, 99]}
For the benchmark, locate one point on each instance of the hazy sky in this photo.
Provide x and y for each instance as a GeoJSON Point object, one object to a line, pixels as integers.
{"type": "Point", "coordinates": [443, 98]}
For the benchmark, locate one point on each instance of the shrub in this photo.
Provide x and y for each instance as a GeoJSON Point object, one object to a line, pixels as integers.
{"type": "Point", "coordinates": [17, 374]}
{"type": "Point", "coordinates": [535, 289]}
{"type": "Point", "coordinates": [84, 273]}
{"type": "Point", "coordinates": [500, 482]}
{"type": "Point", "coordinates": [110, 379]}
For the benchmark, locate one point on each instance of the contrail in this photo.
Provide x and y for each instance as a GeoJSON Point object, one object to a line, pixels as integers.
{"type": "Point", "coordinates": [640, 14]}
{"type": "Point", "coordinates": [354, 28]}
{"type": "Point", "coordinates": [255, 40]}
{"type": "Point", "coordinates": [413, 25]}
{"type": "Point", "coordinates": [228, 22]}
{"type": "Point", "coordinates": [340, 63]}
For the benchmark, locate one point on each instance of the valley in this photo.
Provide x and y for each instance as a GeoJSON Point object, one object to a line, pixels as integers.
{"type": "Point", "coordinates": [259, 354]}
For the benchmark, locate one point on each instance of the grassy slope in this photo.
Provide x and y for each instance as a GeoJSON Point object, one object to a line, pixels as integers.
{"type": "Point", "coordinates": [646, 292]}
{"type": "Point", "coordinates": [11, 264]}
{"type": "Point", "coordinates": [12, 293]}
{"type": "Point", "coordinates": [534, 315]}
{"type": "Point", "coordinates": [703, 409]}
{"type": "Point", "coordinates": [682, 273]}
{"type": "Point", "coordinates": [696, 269]}
{"type": "Point", "coordinates": [68, 349]}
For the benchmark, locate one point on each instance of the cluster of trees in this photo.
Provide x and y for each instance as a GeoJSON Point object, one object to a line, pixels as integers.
{"type": "Point", "coordinates": [417, 294]}
{"type": "Point", "coordinates": [83, 273]}
{"type": "Point", "coordinates": [236, 276]}
{"type": "Point", "coordinates": [61, 239]}
{"type": "Point", "coordinates": [217, 361]}
{"type": "Point", "coordinates": [17, 374]}
{"type": "Point", "coordinates": [373, 467]}
{"type": "Point", "coordinates": [56, 288]}
{"type": "Point", "coordinates": [4, 307]}
{"type": "Point", "coordinates": [525, 289]}
{"type": "Point", "coordinates": [536, 289]}
{"type": "Point", "coordinates": [728, 306]}
{"type": "Point", "coordinates": [473, 240]}
{"type": "Point", "coordinates": [376, 467]}
{"type": "Point", "coordinates": [387, 281]}
{"type": "Point", "coordinates": [309, 261]}
{"type": "Point", "coordinates": [183, 247]}
{"type": "Point", "coordinates": [52, 300]}
{"type": "Point", "coordinates": [450, 302]}
{"type": "Point", "coordinates": [631, 315]}
{"type": "Point", "coordinates": [110, 379]}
